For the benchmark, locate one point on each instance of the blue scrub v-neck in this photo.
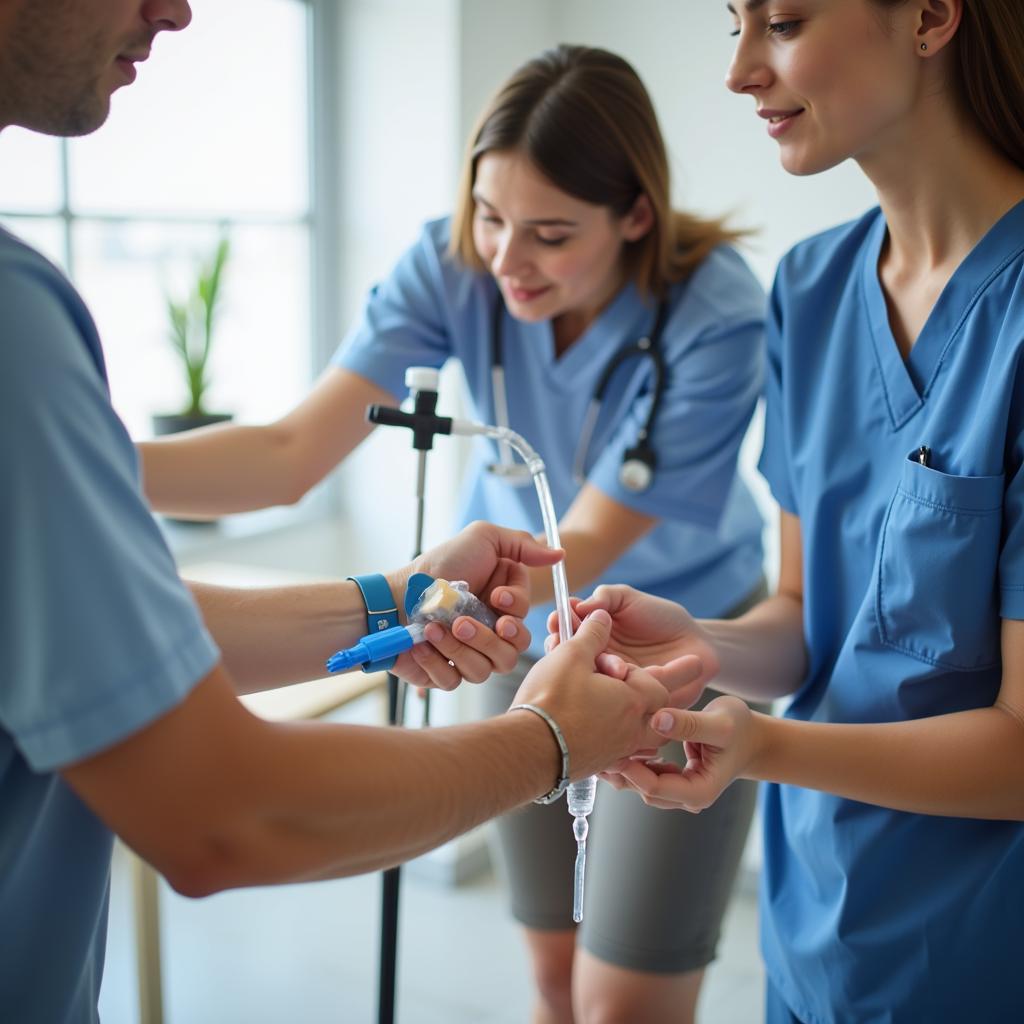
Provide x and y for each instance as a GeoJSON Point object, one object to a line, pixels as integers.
{"type": "Point", "coordinates": [622, 321]}
{"type": "Point", "coordinates": [907, 382]}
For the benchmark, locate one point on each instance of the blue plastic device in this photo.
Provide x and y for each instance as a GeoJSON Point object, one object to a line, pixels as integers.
{"type": "Point", "coordinates": [374, 647]}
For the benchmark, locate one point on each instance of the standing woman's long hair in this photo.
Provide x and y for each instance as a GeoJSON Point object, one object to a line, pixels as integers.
{"type": "Point", "coordinates": [989, 47]}
{"type": "Point", "coordinates": [582, 116]}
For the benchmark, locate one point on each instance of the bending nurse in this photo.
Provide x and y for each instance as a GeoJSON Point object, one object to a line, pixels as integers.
{"type": "Point", "coordinates": [564, 253]}
{"type": "Point", "coordinates": [894, 843]}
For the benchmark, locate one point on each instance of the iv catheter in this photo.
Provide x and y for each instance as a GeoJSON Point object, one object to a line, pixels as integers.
{"type": "Point", "coordinates": [580, 794]}
{"type": "Point", "coordinates": [440, 602]}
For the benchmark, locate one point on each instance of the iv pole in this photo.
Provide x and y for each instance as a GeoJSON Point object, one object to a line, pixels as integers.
{"type": "Point", "coordinates": [424, 423]}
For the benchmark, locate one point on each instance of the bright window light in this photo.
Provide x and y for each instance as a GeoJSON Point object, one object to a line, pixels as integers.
{"type": "Point", "coordinates": [30, 177]}
{"type": "Point", "coordinates": [212, 140]}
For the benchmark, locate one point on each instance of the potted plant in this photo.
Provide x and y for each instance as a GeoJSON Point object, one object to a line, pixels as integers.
{"type": "Point", "coordinates": [191, 331]}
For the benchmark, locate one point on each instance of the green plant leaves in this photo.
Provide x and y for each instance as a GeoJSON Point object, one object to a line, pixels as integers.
{"type": "Point", "coordinates": [192, 323]}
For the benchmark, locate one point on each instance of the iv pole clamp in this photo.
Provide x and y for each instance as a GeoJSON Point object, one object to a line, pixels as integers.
{"type": "Point", "coordinates": [425, 424]}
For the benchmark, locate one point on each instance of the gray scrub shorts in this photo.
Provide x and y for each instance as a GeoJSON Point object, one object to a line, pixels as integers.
{"type": "Point", "coordinates": [658, 882]}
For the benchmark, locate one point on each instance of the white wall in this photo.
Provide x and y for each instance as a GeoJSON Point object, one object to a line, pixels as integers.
{"type": "Point", "coordinates": [400, 149]}
{"type": "Point", "coordinates": [722, 158]}
{"type": "Point", "coordinates": [495, 38]}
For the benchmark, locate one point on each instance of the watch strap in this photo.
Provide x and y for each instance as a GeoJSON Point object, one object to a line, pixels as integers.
{"type": "Point", "coordinates": [381, 610]}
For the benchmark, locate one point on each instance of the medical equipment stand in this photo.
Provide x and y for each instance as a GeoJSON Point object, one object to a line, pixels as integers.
{"type": "Point", "coordinates": [424, 423]}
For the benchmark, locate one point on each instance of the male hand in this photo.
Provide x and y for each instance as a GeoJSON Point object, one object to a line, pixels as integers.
{"type": "Point", "coordinates": [720, 743]}
{"type": "Point", "coordinates": [493, 562]}
{"type": "Point", "coordinates": [602, 705]}
{"type": "Point", "coordinates": [656, 634]}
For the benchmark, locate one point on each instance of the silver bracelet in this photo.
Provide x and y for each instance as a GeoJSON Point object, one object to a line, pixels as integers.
{"type": "Point", "coordinates": [563, 780]}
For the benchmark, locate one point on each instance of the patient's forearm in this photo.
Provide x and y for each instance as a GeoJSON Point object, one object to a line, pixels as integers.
{"type": "Point", "coordinates": [277, 635]}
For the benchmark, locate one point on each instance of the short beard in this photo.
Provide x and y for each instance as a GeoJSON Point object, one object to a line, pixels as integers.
{"type": "Point", "coordinates": [82, 116]}
{"type": "Point", "coordinates": [48, 90]}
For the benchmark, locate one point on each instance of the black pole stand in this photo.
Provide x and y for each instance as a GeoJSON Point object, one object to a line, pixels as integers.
{"type": "Point", "coordinates": [424, 423]}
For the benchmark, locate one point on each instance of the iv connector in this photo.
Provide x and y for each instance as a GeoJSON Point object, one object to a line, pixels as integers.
{"type": "Point", "coordinates": [376, 647]}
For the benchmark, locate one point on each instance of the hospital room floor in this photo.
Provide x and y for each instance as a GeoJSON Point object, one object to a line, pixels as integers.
{"type": "Point", "coordinates": [308, 955]}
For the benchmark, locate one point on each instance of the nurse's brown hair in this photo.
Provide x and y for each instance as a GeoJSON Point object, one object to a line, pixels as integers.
{"type": "Point", "coordinates": [584, 119]}
{"type": "Point", "coordinates": [989, 46]}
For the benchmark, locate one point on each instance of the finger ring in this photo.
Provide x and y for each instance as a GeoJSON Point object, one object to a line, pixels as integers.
{"type": "Point", "coordinates": [451, 664]}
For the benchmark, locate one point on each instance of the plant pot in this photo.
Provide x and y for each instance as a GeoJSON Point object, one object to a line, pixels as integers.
{"type": "Point", "coordinates": [175, 423]}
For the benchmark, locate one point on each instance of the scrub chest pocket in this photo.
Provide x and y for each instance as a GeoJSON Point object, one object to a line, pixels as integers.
{"type": "Point", "coordinates": [938, 564]}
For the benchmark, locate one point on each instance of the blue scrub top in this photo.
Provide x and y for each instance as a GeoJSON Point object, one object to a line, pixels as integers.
{"type": "Point", "coordinates": [869, 914]}
{"type": "Point", "coordinates": [98, 636]}
{"type": "Point", "coordinates": [706, 550]}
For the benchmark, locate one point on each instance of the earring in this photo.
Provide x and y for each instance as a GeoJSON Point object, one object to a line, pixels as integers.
{"type": "Point", "coordinates": [924, 46]}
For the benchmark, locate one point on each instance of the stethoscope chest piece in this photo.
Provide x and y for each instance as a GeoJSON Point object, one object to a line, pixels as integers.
{"type": "Point", "coordinates": [636, 473]}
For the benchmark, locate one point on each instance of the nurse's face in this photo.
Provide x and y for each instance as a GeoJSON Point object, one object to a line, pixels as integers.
{"type": "Point", "coordinates": [551, 253]}
{"type": "Point", "coordinates": [832, 79]}
{"type": "Point", "coordinates": [61, 60]}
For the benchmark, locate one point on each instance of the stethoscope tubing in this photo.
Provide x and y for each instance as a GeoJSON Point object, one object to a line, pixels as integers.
{"type": "Point", "coordinates": [646, 347]}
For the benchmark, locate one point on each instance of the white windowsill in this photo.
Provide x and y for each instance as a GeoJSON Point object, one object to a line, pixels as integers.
{"type": "Point", "coordinates": [190, 541]}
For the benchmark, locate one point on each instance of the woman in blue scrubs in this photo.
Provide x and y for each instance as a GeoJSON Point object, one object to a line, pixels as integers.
{"type": "Point", "coordinates": [893, 885]}
{"type": "Point", "coordinates": [564, 247]}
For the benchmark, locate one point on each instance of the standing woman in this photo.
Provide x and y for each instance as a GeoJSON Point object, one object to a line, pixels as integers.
{"type": "Point", "coordinates": [565, 266]}
{"type": "Point", "coordinates": [893, 887]}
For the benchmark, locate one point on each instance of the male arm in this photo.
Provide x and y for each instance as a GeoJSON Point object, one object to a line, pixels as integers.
{"type": "Point", "coordinates": [116, 685]}
{"type": "Point", "coordinates": [216, 798]}
{"type": "Point", "coordinates": [269, 637]}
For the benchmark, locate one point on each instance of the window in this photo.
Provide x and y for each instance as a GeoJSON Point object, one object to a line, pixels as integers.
{"type": "Point", "coordinates": [214, 138]}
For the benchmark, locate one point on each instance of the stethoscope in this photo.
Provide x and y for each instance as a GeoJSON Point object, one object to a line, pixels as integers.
{"type": "Point", "coordinates": [638, 463]}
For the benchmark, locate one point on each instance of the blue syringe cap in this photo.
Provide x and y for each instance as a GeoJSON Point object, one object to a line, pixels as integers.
{"type": "Point", "coordinates": [352, 657]}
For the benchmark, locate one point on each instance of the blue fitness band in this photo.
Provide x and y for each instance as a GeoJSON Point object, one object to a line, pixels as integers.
{"type": "Point", "coordinates": [381, 612]}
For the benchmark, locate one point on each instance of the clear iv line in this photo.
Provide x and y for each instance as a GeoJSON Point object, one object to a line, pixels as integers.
{"type": "Point", "coordinates": [581, 794]}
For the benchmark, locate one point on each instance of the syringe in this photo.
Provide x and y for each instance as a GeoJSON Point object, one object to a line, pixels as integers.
{"type": "Point", "coordinates": [388, 643]}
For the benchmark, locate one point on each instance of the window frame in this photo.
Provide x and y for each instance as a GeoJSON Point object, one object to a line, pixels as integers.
{"type": "Point", "coordinates": [321, 220]}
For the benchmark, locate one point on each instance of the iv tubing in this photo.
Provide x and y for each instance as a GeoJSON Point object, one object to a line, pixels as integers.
{"type": "Point", "coordinates": [535, 464]}
{"type": "Point", "coordinates": [581, 794]}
